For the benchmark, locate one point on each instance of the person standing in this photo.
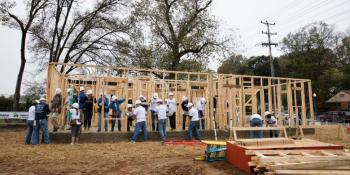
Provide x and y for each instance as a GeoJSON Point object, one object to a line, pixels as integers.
{"type": "Point", "coordinates": [75, 123]}
{"type": "Point", "coordinates": [129, 115]}
{"type": "Point", "coordinates": [171, 104]}
{"type": "Point", "coordinates": [153, 108]}
{"type": "Point", "coordinates": [56, 108]}
{"type": "Point", "coordinates": [255, 121]}
{"type": "Point", "coordinates": [102, 101]}
{"type": "Point", "coordinates": [88, 110]}
{"type": "Point", "coordinates": [271, 121]}
{"type": "Point", "coordinates": [116, 112]}
{"type": "Point", "coordinates": [82, 98]}
{"type": "Point", "coordinates": [200, 107]}
{"type": "Point", "coordinates": [194, 124]}
{"type": "Point", "coordinates": [161, 113]}
{"type": "Point", "coordinates": [143, 102]}
{"type": "Point", "coordinates": [184, 111]}
{"type": "Point", "coordinates": [140, 115]}
{"type": "Point", "coordinates": [41, 112]}
{"type": "Point", "coordinates": [30, 121]}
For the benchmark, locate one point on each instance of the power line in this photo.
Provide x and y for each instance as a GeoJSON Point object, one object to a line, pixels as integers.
{"type": "Point", "coordinates": [269, 44]}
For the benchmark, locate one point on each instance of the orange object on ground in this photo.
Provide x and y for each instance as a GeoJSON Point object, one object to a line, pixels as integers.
{"type": "Point", "coordinates": [348, 129]}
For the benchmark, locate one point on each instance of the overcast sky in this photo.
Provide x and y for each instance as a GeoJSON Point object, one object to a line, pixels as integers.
{"type": "Point", "coordinates": [242, 15]}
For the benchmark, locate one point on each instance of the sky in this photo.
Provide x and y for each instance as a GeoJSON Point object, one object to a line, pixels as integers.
{"type": "Point", "coordinates": [243, 16]}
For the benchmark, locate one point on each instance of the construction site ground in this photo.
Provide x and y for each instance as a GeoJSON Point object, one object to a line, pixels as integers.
{"type": "Point", "coordinates": [115, 158]}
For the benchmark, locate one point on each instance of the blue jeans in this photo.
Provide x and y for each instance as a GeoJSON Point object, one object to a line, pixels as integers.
{"type": "Point", "coordinates": [253, 123]}
{"type": "Point", "coordinates": [41, 125]}
{"type": "Point", "coordinates": [30, 128]}
{"type": "Point", "coordinates": [162, 129]}
{"type": "Point", "coordinates": [99, 123]}
{"type": "Point", "coordinates": [140, 125]}
{"type": "Point", "coordinates": [194, 127]}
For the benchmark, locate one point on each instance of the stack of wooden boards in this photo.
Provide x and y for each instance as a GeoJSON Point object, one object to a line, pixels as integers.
{"type": "Point", "coordinates": [283, 162]}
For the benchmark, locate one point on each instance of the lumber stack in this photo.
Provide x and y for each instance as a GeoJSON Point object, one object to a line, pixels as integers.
{"type": "Point", "coordinates": [286, 162]}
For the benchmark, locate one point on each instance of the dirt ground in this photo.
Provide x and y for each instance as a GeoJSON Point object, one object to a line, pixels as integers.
{"type": "Point", "coordinates": [114, 158]}
{"type": "Point", "coordinates": [110, 158]}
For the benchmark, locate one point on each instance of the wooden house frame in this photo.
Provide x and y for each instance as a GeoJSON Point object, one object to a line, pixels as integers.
{"type": "Point", "coordinates": [238, 96]}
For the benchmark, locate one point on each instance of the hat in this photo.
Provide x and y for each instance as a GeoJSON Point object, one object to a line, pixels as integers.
{"type": "Point", "coordinates": [155, 95]}
{"type": "Point", "coordinates": [184, 98]}
{"type": "Point", "coordinates": [129, 105]}
{"type": "Point", "coordinates": [58, 91]}
{"type": "Point", "coordinates": [68, 90]}
{"type": "Point", "coordinates": [203, 100]}
{"type": "Point", "coordinates": [170, 94]}
{"type": "Point", "coordinates": [82, 88]}
{"type": "Point", "coordinates": [101, 93]}
{"type": "Point", "coordinates": [42, 99]}
{"type": "Point", "coordinates": [141, 96]}
{"type": "Point", "coordinates": [189, 105]}
{"type": "Point", "coordinates": [89, 92]}
{"type": "Point", "coordinates": [160, 101]}
{"type": "Point", "coordinates": [267, 113]}
{"type": "Point", "coordinates": [138, 102]}
{"type": "Point", "coordinates": [75, 105]}
{"type": "Point", "coordinates": [37, 101]}
{"type": "Point", "coordinates": [114, 98]}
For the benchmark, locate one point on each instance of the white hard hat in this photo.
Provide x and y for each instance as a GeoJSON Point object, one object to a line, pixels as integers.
{"type": "Point", "coordinates": [89, 92]}
{"type": "Point", "coordinates": [101, 93]}
{"type": "Point", "coordinates": [138, 102]}
{"type": "Point", "coordinates": [42, 99]}
{"type": "Point", "coordinates": [37, 101]}
{"type": "Point", "coordinates": [189, 105]}
{"type": "Point", "coordinates": [141, 96]}
{"type": "Point", "coordinates": [114, 98]}
{"type": "Point", "coordinates": [75, 105]}
{"type": "Point", "coordinates": [203, 100]}
{"type": "Point", "coordinates": [82, 88]}
{"type": "Point", "coordinates": [267, 113]}
{"type": "Point", "coordinates": [170, 94]}
{"type": "Point", "coordinates": [58, 91]}
{"type": "Point", "coordinates": [160, 101]}
{"type": "Point", "coordinates": [155, 95]}
{"type": "Point", "coordinates": [68, 90]}
{"type": "Point", "coordinates": [184, 98]}
{"type": "Point", "coordinates": [129, 105]}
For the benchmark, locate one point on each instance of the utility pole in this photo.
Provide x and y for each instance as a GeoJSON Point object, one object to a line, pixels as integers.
{"type": "Point", "coordinates": [269, 44]}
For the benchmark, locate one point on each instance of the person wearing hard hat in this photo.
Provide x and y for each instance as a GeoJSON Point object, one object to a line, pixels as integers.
{"type": "Point", "coordinates": [102, 102]}
{"type": "Point", "coordinates": [161, 111]}
{"type": "Point", "coordinates": [184, 111]}
{"type": "Point", "coordinates": [153, 108]}
{"type": "Point", "coordinates": [30, 122]}
{"type": "Point", "coordinates": [140, 114]}
{"type": "Point", "coordinates": [171, 104]}
{"type": "Point", "coordinates": [41, 112]}
{"type": "Point", "coordinates": [255, 121]}
{"type": "Point", "coordinates": [75, 123]}
{"type": "Point", "coordinates": [56, 106]}
{"type": "Point", "coordinates": [88, 110]}
{"type": "Point", "coordinates": [271, 121]}
{"type": "Point", "coordinates": [143, 102]}
{"type": "Point", "coordinates": [82, 98]}
{"type": "Point", "coordinates": [200, 107]}
{"type": "Point", "coordinates": [193, 129]}
{"type": "Point", "coordinates": [129, 116]}
{"type": "Point", "coordinates": [116, 112]}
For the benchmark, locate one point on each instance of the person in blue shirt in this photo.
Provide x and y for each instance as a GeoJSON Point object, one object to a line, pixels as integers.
{"type": "Point", "coordinates": [40, 123]}
{"type": "Point", "coordinates": [102, 101]}
{"type": "Point", "coordinates": [82, 99]}
{"type": "Point", "coordinates": [116, 112]}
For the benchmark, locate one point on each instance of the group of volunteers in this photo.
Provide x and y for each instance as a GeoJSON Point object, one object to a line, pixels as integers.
{"type": "Point", "coordinates": [256, 120]}
{"type": "Point", "coordinates": [79, 112]}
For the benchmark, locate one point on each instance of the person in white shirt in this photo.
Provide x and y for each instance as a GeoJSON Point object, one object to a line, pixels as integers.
{"type": "Point", "coordinates": [153, 107]}
{"type": "Point", "coordinates": [75, 123]}
{"type": "Point", "coordinates": [171, 103]}
{"type": "Point", "coordinates": [200, 107]}
{"type": "Point", "coordinates": [30, 121]}
{"type": "Point", "coordinates": [271, 121]}
{"type": "Point", "coordinates": [161, 112]}
{"type": "Point", "coordinates": [140, 115]}
{"type": "Point", "coordinates": [194, 123]}
{"type": "Point", "coordinates": [255, 121]}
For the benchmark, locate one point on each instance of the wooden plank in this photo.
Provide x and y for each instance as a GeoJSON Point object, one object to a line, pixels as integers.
{"type": "Point", "coordinates": [308, 165]}
{"type": "Point", "coordinates": [313, 172]}
{"type": "Point", "coordinates": [311, 103]}
{"type": "Point", "coordinates": [291, 152]}
{"type": "Point", "coordinates": [302, 158]}
{"type": "Point", "coordinates": [257, 128]}
{"type": "Point", "coordinates": [303, 105]}
{"type": "Point", "coordinates": [279, 106]}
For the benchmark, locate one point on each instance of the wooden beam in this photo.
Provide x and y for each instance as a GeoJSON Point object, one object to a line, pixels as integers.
{"type": "Point", "coordinates": [312, 172]}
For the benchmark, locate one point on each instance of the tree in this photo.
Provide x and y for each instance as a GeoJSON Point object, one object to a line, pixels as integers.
{"type": "Point", "coordinates": [35, 8]}
{"type": "Point", "coordinates": [235, 64]}
{"type": "Point", "coordinates": [68, 34]}
{"type": "Point", "coordinates": [179, 29]}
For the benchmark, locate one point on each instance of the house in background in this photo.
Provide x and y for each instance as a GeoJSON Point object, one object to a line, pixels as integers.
{"type": "Point", "coordinates": [340, 101]}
